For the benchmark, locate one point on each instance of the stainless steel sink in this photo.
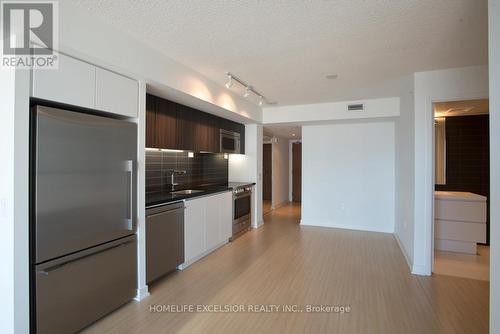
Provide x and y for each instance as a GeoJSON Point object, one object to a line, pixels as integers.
{"type": "Point", "coordinates": [186, 192]}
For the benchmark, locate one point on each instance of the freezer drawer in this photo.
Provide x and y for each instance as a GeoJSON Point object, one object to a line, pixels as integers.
{"type": "Point", "coordinates": [76, 290]}
{"type": "Point", "coordinates": [164, 240]}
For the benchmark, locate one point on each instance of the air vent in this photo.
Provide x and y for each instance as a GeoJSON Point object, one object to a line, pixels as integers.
{"type": "Point", "coordinates": [356, 107]}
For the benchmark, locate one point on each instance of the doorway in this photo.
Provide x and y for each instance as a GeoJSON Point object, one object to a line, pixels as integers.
{"type": "Point", "coordinates": [461, 196]}
{"type": "Point", "coordinates": [267, 178]}
{"type": "Point", "coordinates": [296, 172]}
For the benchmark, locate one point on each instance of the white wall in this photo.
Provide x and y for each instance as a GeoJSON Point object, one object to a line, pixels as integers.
{"type": "Point", "coordinates": [434, 86]}
{"type": "Point", "coordinates": [248, 168]}
{"type": "Point", "coordinates": [404, 224]}
{"type": "Point", "coordinates": [7, 107]}
{"type": "Point", "coordinates": [280, 172]}
{"type": "Point", "coordinates": [494, 56]}
{"type": "Point", "coordinates": [374, 108]}
{"type": "Point", "coordinates": [348, 175]}
{"type": "Point", "coordinates": [14, 246]}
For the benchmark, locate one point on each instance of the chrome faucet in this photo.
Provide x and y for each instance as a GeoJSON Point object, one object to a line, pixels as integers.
{"type": "Point", "coordinates": [172, 177]}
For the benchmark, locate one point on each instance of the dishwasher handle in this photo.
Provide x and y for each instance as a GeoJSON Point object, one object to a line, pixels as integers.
{"type": "Point", "coordinates": [166, 211]}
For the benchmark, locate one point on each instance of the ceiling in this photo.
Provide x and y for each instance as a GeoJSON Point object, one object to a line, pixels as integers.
{"type": "Point", "coordinates": [286, 48]}
{"type": "Point", "coordinates": [461, 108]}
{"type": "Point", "coordinates": [283, 131]}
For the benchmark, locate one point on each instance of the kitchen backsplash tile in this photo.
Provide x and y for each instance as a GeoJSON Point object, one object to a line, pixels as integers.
{"type": "Point", "coordinates": [202, 169]}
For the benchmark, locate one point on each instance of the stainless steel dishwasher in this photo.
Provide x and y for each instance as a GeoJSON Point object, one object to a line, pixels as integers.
{"type": "Point", "coordinates": [164, 239]}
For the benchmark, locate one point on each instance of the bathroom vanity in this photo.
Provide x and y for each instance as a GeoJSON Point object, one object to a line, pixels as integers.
{"type": "Point", "coordinates": [459, 221]}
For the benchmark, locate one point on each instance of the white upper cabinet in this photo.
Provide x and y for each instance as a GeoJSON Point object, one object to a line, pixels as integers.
{"type": "Point", "coordinates": [73, 83]}
{"type": "Point", "coordinates": [115, 93]}
{"type": "Point", "coordinates": [82, 84]}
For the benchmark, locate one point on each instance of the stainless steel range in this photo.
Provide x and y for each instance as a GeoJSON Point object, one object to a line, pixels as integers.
{"type": "Point", "coordinates": [242, 209]}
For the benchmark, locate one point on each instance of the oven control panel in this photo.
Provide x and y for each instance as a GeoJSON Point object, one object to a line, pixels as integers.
{"type": "Point", "coordinates": [242, 190]}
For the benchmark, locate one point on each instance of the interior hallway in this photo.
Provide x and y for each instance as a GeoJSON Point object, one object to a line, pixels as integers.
{"type": "Point", "coordinates": [285, 263]}
{"type": "Point", "coordinates": [266, 207]}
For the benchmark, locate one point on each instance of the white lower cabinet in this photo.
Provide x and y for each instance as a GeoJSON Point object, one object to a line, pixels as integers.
{"type": "Point", "coordinates": [213, 215]}
{"type": "Point", "coordinates": [207, 225]}
{"type": "Point", "coordinates": [194, 228]}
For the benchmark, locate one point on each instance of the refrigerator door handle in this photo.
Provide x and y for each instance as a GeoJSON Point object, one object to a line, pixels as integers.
{"type": "Point", "coordinates": [130, 194]}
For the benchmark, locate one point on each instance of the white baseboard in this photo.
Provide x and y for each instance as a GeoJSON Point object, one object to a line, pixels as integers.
{"type": "Point", "coordinates": [400, 244]}
{"type": "Point", "coordinates": [343, 226]}
{"type": "Point", "coordinates": [141, 293]}
{"type": "Point", "coordinates": [277, 206]}
{"type": "Point", "coordinates": [259, 224]}
{"type": "Point", "coordinates": [420, 270]}
{"type": "Point", "coordinates": [202, 255]}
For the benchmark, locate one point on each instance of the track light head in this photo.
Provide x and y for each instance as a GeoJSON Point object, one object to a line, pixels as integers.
{"type": "Point", "coordinates": [248, 89]}
{"type": "Point", "coordinates": [229, 82]}
{"type": "Point", "coordinates": [261, 101]}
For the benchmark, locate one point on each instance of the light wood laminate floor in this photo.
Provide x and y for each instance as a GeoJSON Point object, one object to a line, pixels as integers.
{"type": "Point", "coordinates": [464, 265]}
{"type": "Point", "coordinates": [285, 263]}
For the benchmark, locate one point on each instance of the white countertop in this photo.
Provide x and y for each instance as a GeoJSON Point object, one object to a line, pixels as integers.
{"type": "Point", "coordinates": [459, 196]}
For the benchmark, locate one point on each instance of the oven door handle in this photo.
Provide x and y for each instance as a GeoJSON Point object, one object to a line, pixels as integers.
{"type": "Point", "coordinates": [243, 195]}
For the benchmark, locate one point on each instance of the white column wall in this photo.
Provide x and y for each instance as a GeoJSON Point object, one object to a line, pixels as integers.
{"type": "Point", "coordinates": [494, 66]}
{"type": "Point", "coordinates": [464, 83]}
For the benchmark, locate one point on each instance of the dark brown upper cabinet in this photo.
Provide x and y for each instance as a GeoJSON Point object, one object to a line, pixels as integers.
{"type": "Point", "coordinates": [175, 126]}
{"type": "Point", "coordinates": [151, 137]}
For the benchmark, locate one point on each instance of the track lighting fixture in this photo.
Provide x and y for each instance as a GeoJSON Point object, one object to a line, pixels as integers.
{"type": "Point", "coordinates": [248, 88]}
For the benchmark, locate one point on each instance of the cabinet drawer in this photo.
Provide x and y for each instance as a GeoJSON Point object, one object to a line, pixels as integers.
{"type": "Point", "coordinates": [73, 293]}
{"type": "Point", "coordinates": [72, 83]}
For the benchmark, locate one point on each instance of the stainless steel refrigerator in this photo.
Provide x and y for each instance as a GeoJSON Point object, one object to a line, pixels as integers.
{"type": "Point", "coordinates": [82, 226]}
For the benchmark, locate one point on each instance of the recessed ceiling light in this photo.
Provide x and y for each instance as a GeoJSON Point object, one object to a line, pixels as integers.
{"type": "Point", "coordinates": [331, 76]}
{"type": "Point", "coordinates": [293, 134]}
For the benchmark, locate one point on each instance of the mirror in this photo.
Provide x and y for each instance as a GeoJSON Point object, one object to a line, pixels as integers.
{"type": "Point", "coordinates": [440, 150]}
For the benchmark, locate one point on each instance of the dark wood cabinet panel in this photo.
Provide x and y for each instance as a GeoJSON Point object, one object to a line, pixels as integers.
{"type": "Point", "coordinates": [176, 126]}
{"type": "Point", "coordinates": [213, 134]}
{"type": "Point", "coordinates": [166, 124]}
{"type": "Point", "coordinates": [184, 129]}
{"type": "Point", "coordinates": [151, 134]}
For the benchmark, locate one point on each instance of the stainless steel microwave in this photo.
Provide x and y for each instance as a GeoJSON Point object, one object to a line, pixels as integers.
{"type": "Point", "coordinates": [229, 142]}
